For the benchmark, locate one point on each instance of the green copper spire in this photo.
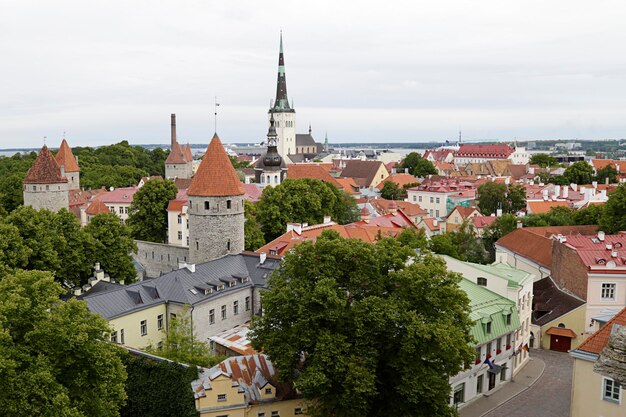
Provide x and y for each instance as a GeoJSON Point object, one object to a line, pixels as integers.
{"type": "Point", "coordinates": [281, 104]}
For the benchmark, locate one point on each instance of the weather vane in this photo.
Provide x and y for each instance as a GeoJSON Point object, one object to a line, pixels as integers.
{"type": "Point", "coordinates": [215, 114]}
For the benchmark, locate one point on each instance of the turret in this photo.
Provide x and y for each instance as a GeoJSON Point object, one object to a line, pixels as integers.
{"type": "Point", "coordinates": [69, 165]}
{"type": "Point", "coordinates": [271, 168]}
{"type": "Point", "coordinates": [45, 186]}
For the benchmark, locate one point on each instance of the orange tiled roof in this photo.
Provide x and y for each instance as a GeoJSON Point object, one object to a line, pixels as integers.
{"type": "Point", "coordinates": [97, 207]}
{"type": "Point", "coordinates": [410, 209]}
{"type": "Point", "coordinates": [465, 212]}
{"type": "Point", "coordinates": [45, 169]}
{"type": "Point", "coordinates": [601, 163]}
{"type": "Point", "coordinates": [430, 223]}
{"type": "Point", "coordinates": [188, 154]}
{"type": "Point", "coordinates": [542, 207]}
{"type": "Point", "coordinates": [400, 179]}
{"type": "Point", "coordinates": [296, 171]}
{"type": "Point", "coordinates": [66, 158]}
{"type": "Point", "coordinates": [216, 176]}
{"type": "Point", "coordinates": [597, 341]}
{"type": "Point", "coordinates": [176, 156]}
{"type": "Point", "coordinates": [348, 184]}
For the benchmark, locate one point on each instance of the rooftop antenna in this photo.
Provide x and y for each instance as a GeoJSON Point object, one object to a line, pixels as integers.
{"type": "Point", "coordinates": [64, 134]}
{"type": "Point", "coordinates": [460, 137]}
{"type": "Point", "coordinates": [215, 113]}
{"type": "Point", "coordinates": [44, 139]}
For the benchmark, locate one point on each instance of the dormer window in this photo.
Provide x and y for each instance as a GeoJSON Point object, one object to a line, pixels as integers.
{"type": "Point", "coordinates": [488, 327]}
{"type": "Point", "coordinates": [232, 283]}
{"type": "Point", "coordinates": [601, 261]}
{"type": "Point", "coordinates": [481, 281]}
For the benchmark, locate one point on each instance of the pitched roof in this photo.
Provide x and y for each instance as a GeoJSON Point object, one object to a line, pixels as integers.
{"type": "Point", "coordinates": [542, 207]}
{"type": "Point", "coordinates": [179, 202]}
{"type": "Point", "coordinates": [253, 192]}
{"type": "Point", "coordinates": [182, 183]}
{"type": "Point", "coordinates": [410, 209]}
{"type": "Point", "coordinates": [535, 243]}
{"type": "Point", "coordinates": [517, 171]}
{"type": "Point", "coordinates": [66, 158]}
{"type": "Point", "coordinates": [465, 212]}
{"type": "Point", "coordinates": [400, 179]}
{"type": "Point", "coordinates": [362, 169]}
{"type": "Point", "coordinates": [602, 163]}
{"type": "Point", "coordinates": [497, 151]}
{"type": "Point", "coordinates": [305, 139]}
{"type": "Point", "coordinates": [348, 184]}
{"type": "Point", "coordinates": [480, 222]}
{"type": "Point", "coordinates": [176, 156]}
{"type": "Point", "coordinates": [598, 341]}
{"type": "Point", "coordinates": [188, 154]}
{"type": "Point", "coordinates": [296, 171]}
{"type": "Point", "coordinates": [97, 207]}
{"type": "Point", "coordinates": [607, 256]}
{"type": "Point", "coordinates": [550, 303]}
{"type": "Point", "coordinates": [216, 176]}
{"type": "Point", "coordinates": [45, 169]}
{"type": "Point", "coordinates": [118, 195]}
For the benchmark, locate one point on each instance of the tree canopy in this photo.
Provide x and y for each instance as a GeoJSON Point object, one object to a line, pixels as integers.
{"type": "Point", "coordinates": [462, 244]}
{"type": "Point", "coordinates": [579, 173]}
{"type": "Point", "coordinates": [543, 160]}
{"type": "Point", "coordinates": [418, 166]}
{"type": "Point", "coordinates": [53, 357]}
{"type": "Point", "coordinates": [492, 196]}
{"type": "Point", "coordinates": [363, 334]}
{"type": "Point", "coordinates": [303, 200]}
{"type": "Point", "coordinates": [391, 191]}
{"type": "Point", "coordinates": [147, 218]}
{"type": "Point", "coordinates": [613, 217]}
{"type": "Point", "coordinates": [253, 235]}
{"type": "Point", "coordinates": [608, 172]}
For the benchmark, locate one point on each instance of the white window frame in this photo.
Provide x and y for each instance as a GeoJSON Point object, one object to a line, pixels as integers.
{"type": "Point", "coordinates": [611, 399]}
{"type": "Point", "coordinates": [612, 287]}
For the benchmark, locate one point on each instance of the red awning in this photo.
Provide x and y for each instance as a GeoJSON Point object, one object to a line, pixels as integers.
{"type": "Point", "coordinates": [560, 331]}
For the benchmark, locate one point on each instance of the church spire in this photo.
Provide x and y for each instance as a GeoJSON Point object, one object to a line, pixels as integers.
{"type": "Point", "coordinates": [281, 103]}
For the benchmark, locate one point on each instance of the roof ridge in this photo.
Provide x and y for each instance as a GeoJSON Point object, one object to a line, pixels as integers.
{"type": "Point", "coordinates": [45, 169]}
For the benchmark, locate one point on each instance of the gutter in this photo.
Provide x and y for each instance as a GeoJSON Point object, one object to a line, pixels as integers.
{"type": "Point", "coordinates": [581, 354]}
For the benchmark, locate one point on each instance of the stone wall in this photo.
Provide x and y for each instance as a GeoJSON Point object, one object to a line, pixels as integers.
{"type": "Point", "coordinates": [73, 180]}
{"type": "Point", "coordinates": [568, 270]}
{"type": "Point", "coordinates": [159, 258]}
{"type": "Point", "coordinates": [53, 197]}
{"type": "Point", "coordinates": [179, 170]}
{"type": "Point", "coordinates": [215, 230]}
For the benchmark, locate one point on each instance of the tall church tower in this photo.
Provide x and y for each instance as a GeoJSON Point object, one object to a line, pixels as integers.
{"type": "Point", "coordinates": [271, 168]}
{"type": "Point", "coordinates": [284, 115]}
{"type": "Point", "coordinates": [216, 207]}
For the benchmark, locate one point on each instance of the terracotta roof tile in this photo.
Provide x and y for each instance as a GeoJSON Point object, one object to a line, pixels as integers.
{"type": "Point", "coordinates": [362, 169]}
{"type": "Point", "coordinates": [253, 192]}
{"type": "Point", "coordinates": [118, 195]}
{"type": "Point", "coordinates": [45, 169]}
{"type": "Point", "coordinates": [400, 179]}
{"type": "Point", "coordinates": [601, 163]}
{"type": "Point", "coordinates": [176, 156]}
{"type": "Point", "coordinates": [97, 207]}
{"type": "Point", "coordinates": [598, 341]}
{"type": "Point", "coordinates": [480, 222]}
{"type": "Point", "coordinates": [182, 183]}
{"type": "Point", "coordinates": [66, 158]}
{"type": "Point", "coordinates": [348, 185]}
{"type": "Point", "coordinates": [296, 171]}
{"type": "Point", "coordinates": [410, 209]}
{"type": "Point", "coordinates": [542, 207]}
{"type": "Point", "coordinates": [465, 211]}
{"type": "Point", "coordinates": [188, 154]}
{"type": "Point", "coordinates": [485, 151]}
{"type": "Point", "coordinates": [216, 176]}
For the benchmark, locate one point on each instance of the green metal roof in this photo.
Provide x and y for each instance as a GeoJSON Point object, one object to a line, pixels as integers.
{"type": "Point", "coordinates": [515, 277]}
{"type": "Point", "coordinates": [487, 306]}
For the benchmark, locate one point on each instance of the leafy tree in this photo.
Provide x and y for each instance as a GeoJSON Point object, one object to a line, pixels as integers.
{"type": "Point", "coordinates": [589, 215]}
{"type": "Point", "coordinates": [253, 234]}
{"type": "Point", "coordinates": [444, 244]}
{"type": "Point", "coordinates": [413, 238]}
{"type": "Point", "coordinates": [391, 191]}
{"type": "Point", "coordinates": [237, 163]}
{"type": "Point", "coordinates": [303, 200]}
{"type": "Point", "coordinates": [516, 197]}
{"type": "Point", "coordinates": [13, 252]}
{"type": "Point", "coordinates": [462, 244]}
{"type": "Point", "coordinates": [181, 344]}
{"type": "Point", "coordinates": [11, 193]}
{"type": "Point", "coordinates": [409, 161]}
{"type": "Point", "coordinates": [53, 357]}
{"type": "Point", "coordinates": [362, 334]}
{"type": "Point", "coordinates": [113, 246]}
{"type": "Point", "coordinates": [418, 166]}
{"type": "Point", "coordinates": [75, 249]}
{"type": "Point", "coordinates": [543, 160]}
{"type": "Point", "coordinates": [613, 218]}
{"type": "Point", "coordinates": [147, 218]}
{"type": "Point", "coordinates": [579, 173]}
{"type": "Point", "coordinates": [608, 172]}
{"type": "Point", "coordinates": [492, 196]}
{"type": "Point", "coordinates": [502, 226]}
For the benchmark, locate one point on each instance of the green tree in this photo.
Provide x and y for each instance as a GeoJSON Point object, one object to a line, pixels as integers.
{"type": "Point", "coordinates": [53, 357]}
{"type": "Point", "coordinates": [391, 191]}
{"type": "Point", "coordinates": [181, 344]}
{"type": "Point", "coordinates": [13, 252]}
{"type": "Point", "coordinates": [608, 172]}
{"type": "Point", "coordinates": [589, 215]}
{"type": "Point", "coordinates": [516, 198]}
{"type": "Point", "coordinates": [579, 173]}
{"type": "Point", "coordinates": [113, 246]}
{"type": "Point", "coordinates": [543, 160]}
{"type": "Point", "coordinates": [253, 234]}
{"type": "Point", "coordinates": [502, 226]}
{"type": "Point", "coordinates": [147, 218]}
{"type": "Point", "coordinates": [418, 166]}
{"type": "Point", "coordinates": [345, 321]}
{"type": "Point", "coordinates": [444, 244]}
{"type": "Point", "coordinates": [11, 193]}
{"type": "Point", "coordinates": [613, 218]}
{"type": "Point", "coordinates": [75, 249]}
{"type": "Point", "coordinates": [413, 238]}
{"type": "Point", "coordinates": [491, 196]}
{"type": "Point", "coordinates": [303, 200]}
{"type": "Point", "coordinates": [238, 164]}
{"type": "Point", "coordinates": [410, 161]}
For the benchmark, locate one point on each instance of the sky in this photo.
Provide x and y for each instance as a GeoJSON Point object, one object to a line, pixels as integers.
{"type": "Point", "coordinates": [363, 71]}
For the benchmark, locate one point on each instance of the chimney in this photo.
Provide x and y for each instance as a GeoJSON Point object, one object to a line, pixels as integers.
{"type": "Point", "coordinates": [588, 194]}
{"type": "Point", "coordinates": [609, 246]}
{"type": "Point", "coordinates": [77, 290]}
{"type": "Point", "coordinates": [262, 257]}
{"type": "Point", "coordinates": [519, 224]}
{"type": "Point", "coordinates": [435, 222]}
{"type": "Point", "coordinates": [603, 193]}
{"type": "Point", "coordinates": [394, 171]}
{"type": "Point", "coordinates": [191, 267]}
{"type": "Point", "coordinates": [557, 191]}
{"type": "Point", "coordinates": [507, 180]}
{"type": "Point", "coordinates": [574, 187]}
{"type": "Point", "coordinates": [565, 191]}
{"type": "Point", "coordinates": [614, 254]}
{"type": "Point", "coordinates": [606, 180]}
{"type": "Point", "coordinates": [327, 219]}
{"type": "Point", "coordinates": [601, 236]}
{"type": "Point", "coordinates": [499, 213]}
{"type": "Point", "coordinates": [545, 194]}
{"type": "Point", "coordinates": [594, 184]}
{"type": "Point", "coordinates": [296, 227]}
{"type": "Point", "coordinates": [173, 134]}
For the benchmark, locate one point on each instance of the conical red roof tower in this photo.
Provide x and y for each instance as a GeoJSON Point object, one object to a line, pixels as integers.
{"type": "Point", "coordinates": [45, 169]}
{"type": "Point", "coordinates": [216, 175]}
{"type": "Point", "coordinates": [66, 158]}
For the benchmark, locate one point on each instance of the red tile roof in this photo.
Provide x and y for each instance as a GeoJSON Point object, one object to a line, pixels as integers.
{"type": "Point", "coordinates": [122, 195]}
{"type": "Point", "coordinates": [542, 207]}
{"type": "Point", "coordinates": [363, 170]}
{"type": "Point", "coordinates": [430, 223]}
{"type": "Point", "coordinates": [253, 192]}
{"type": "Point", "coordinates": [349, 186]}
{"type": "Point", "coordinates": [176, 156]}
{"type": "Point", "coordinates": [97, 207]}
{"type": "Point", "coordinates": [296, 171]}
{"type": "Point", "coordinates": [66, 158]}
{"type": "Point", "coordinates": [597, 254]}
{"type": "Point", "coordinates": [182, 183]}
{"type": "Point", "coordinates": [410, 209]}
{"type": "Point", "coordinates": [465, 212]}
{"type": "Point", "coordinates": [598, 341]}
{"type": "Point", "coordinates": [400, 179]}
{"type": "Point", "coordinates": [216, 176]}
{"type": "Point", "coordinates": [484, 151]}
{"type": "Point", "coordinates": [558, 331]}
{"type": "Point", "coordinates": [480, 222]}
{"type": "Point", "coordinates": [601, 163]}
{"type": "Point", "coordinates": [188, 154]}
{"type": "Point", "coordinates": [178, 203]}
{"type": "Point", "coordinates": [45, 169]}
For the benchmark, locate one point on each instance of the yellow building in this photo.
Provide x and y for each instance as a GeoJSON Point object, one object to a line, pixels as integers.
{"type": "Point", "coordinates": [245, 386]}
{"type": "Point", "coordinates": [593, 394]}
{"type": "Point", "coordinates": [141, 328]}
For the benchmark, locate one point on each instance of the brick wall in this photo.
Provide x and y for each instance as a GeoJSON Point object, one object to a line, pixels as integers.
{"type": "Point", "coordinates": [568, 271]}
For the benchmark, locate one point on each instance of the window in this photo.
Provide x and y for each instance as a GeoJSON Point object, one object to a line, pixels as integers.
{"type": "Point", "coordinates": [247, 303]}
{"type": "Point", "coordinates": [479, 384]}
{"type": "Point", "coordinates": [207, 205]}
{"type": "Point", "coordinates": [499, 345]}
{"type": "Point", "coordinates": [508, 319]}
{"type": "Point", "coordinates": [432, 199]}
{"type": "Point", "coordinates": [180, 219]}
{"type": "Point", "coordinates": [437, 213]}
{"type": "Point", "coordinates": [459, 394]}
{"type": "Point", "coordinates": [268, 390]}
{"type": "Point", "coordinates": [229, 204]}
{"type": "Point", "coordinates": [508, 340]}
{"type": "Point", "coordinates": [235, 307]}
{"type": "Point", "coordinates": [414, 198]}
{"type": "Point", "coordinates": [159, 321]}
{"type": "Point", "coordinates": [114, 337]}
{"type": "Point", "coordinates": [144, 327]}
{"type": "Point", "coordinates": [160, 346]}
{"type": "Point", "coordinates": [611, 390]}
{"type": "Point", "coordinates": [481, 281]}
{"type": "Point", "coordinates": [197, 245]}
{"type": "Point", "coordinates": [479, 351]}
{"type": "Point", "coordinates": [488, 349]}
{"type": "Point", "coordinates": [297, 411]}
{"type": "Point", "coordinates": [212, 316]}
{"type": "Point", "coordinates": [223, 312]}
{"type": "Point", "coordinates": [228, 245]}
{"type": "Point", "coordinates": [608, 291]}
{"type": "Point", "coordinates": [420, 199]}
{"type": "Point", "coordinates": [172, 316]}
{"type": "Point", "coordinates": [503, 374]}
{"type": "Point", "coordinates": [261, 415]}
{"type": "Point", "coordinates": [221, 397]}
{"type": "Point", "coordinates": [488, 327]}
{"type": "Point", "coordinates": [122, 336]}
{"type": "Point", "coordinates": [275, 414]}
{"type": "Point", "coordinates": [437, 200]}
{"type": "Point", "coordinates": [180, 235]}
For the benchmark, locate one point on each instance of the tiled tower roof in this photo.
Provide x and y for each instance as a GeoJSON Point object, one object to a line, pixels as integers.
{"type": "Point", "coordinates": [188, 154]}
{"type": "Point", "coordinates": [66, 158]}
{"type": "Point", "coordinates": [45, 169]}
{"type": "Point", "coordinates": [216, 176]}
{"type": "Point", "coordinates": [176, 156]}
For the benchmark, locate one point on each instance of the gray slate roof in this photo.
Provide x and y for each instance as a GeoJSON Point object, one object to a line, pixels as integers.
{"type": "Point", "coordinates": [183, 286]}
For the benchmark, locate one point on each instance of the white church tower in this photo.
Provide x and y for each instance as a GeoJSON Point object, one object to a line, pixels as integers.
{"type": "Point", "coordinates": [284, 115]}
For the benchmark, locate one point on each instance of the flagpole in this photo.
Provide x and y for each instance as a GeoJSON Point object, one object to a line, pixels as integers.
{"type": "Point", "coordinates": [215, 114]}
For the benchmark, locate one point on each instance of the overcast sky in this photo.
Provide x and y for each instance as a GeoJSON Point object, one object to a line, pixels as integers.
{"type": "Point", "coordinates": [365, 71]}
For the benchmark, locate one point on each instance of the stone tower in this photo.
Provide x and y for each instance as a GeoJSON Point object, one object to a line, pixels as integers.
{"type": "Point", "coordinates": [179, 163]}
{"type": "Point", "coordinates": [69, 165]}
{"type": "Point", "coordinates": [216, 207]}
{"type": "Point", "coordinates": [44, 186]}
{"type": "Point", "coordinates": [271, 168]}
{"type": "Point", "coordinates": [284, 115]}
